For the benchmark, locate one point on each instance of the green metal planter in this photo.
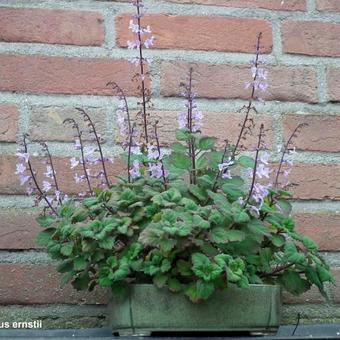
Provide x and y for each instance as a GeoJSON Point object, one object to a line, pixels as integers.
{"type": "Point", "coordinates": [150, 309]}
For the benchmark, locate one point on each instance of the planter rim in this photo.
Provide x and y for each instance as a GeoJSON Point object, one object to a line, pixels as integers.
{"type": "Point", "coordinates": [250, 285]}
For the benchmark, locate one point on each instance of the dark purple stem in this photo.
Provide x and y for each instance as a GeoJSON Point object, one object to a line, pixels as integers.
{"type": "Point", "coordinates": [45, 146]}
{"type": "Point", "coordinates": [252, 97]}
{"type": "Point", "coordinates": [88, 118]}
{"type": "Point", "coordinates": [79, 135]}
{"type": "Point", "coordinates": [42, 194]}
{"type": "Point", "coordinates": [191, 142]}
{"type": "Point", "coordinates": [284, 152]}
{"type": "Point", "coordinates": [129, 153]}
{"type": "Point", "coordinates": [159, 156]}
{"type": "Point", "coordinates": [255, 166]}
{"type": "Point", "coordinates": [219, 173]}
{"type": "Point", "coordinates": [142, 74]}
{"type": "Point", "coordinates": [121, 94]}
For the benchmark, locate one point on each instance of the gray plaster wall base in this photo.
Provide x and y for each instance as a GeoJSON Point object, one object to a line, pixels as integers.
{"type": "Point", "coordinates": [150, 309]}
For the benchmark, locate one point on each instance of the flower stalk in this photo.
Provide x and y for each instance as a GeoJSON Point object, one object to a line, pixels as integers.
{"type": "Point", "coordinates": [93, 130]}
{"type": "Point", "coordinates": [42, 195]}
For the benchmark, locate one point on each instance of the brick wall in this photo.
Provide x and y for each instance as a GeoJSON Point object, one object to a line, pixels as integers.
{"type": "Point", "coordinates": [57, 55]}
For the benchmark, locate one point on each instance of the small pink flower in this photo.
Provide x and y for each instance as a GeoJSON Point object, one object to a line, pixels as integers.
{"type": "Point", "coordinates": [264, 158]}
{"type": "Point", "coordinates": [74, 162]}
{"type": "Point", "coordinates": [20, 169]}
{"type": "Point", "coordinates": [262, 171]}
{"type": "Point", "coordinates": [133, 45]}
{"type": "Point", "coordinates": [78, 179]}
{"type": "Point", "coordinates": [29, 190]}
{"type": "Point", "coordinates": [149, 42]}
{"type": "Point", "coordinates": [46, 186]}
{"type": "Point", "coordinates": [49, 172]}
{"type": "Point", "coordinates": [23, 156]}
{"type": "Point", "coordinates": [24, 179]}
{"type": "Point", "coordinates": [135, 169]}
{"type": "Point", "coordinates": [133, 27]}
{"type": "Point", "coordinates": [155, 170]}
{"type": "Point", "coordinates": [77, 144]}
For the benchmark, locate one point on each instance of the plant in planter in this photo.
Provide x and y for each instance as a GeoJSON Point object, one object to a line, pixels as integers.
{"type": "Point", "coordinates": [193, 237]}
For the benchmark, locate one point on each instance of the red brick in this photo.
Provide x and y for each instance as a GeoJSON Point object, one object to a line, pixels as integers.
{"type": "Point", "coordinates": [10, 184]}
{"type": "Point", "coordinates": [9, 121]}
{"type": "Point", "coordinates": [321, 134]}
{"type": "Point", "coordinates": [18, 229]}
{"type": "Point", "coordinates": [286, 83]}
{"type": "Point", "coordinates": [25, 73]}
{"type": "Point", "coordinates": [333, 84]}
{"type": "Point", "coordinates": [311, 38]}
{"type": "Point", "coordinates": [46, 123]}
{"type": "Point", "coordinates": [323, 228]}
{"type": "Point", "coordinates": [206, 33]}
{"type": "Point", "coordinates": [316, 181]}
{"type": "Point", "coordinates": [335, 289]}
{"type": "Point", "coordinates": [328, 5]}
{"type": "Point", "coordinates": [311, 296]}
{"type": "Point", "coordinates": [40, 284]}
{"type": "Point", "coordinates": [292, 5]}
{"type": "Point", "coordinates": [51, 26]}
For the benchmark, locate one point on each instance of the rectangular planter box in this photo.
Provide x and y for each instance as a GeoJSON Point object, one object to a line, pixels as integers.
{"type": "Point", "coordinates": [149, 309]}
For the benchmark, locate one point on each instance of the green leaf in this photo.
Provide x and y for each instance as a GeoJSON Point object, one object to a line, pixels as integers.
{"type": "Point", "coordinates": [292, 255]}
{"type": "Point", "coordinates": [284, 206]}
{"type": "Point", "coordinates": [166, 266]}
{"type": "Point", "coordinates": [184, 268]}
{"type": "Point", "coordinates": [235, 181]}
{"type": "Point", "coordinates": [309, 243]}
{"type": "Point", "coordinates": [90, 201]}
{"type": "Point", "coordinates": [198, 291]}
{"type": "Point", "coordinates": [206, 143]}
{"type": "Point", "coordinates": [81, 282]}
{"type": "Point", "coordinates": [65, 267]}
{"type": "Point", "coordinates": [232, 191]}
{"type": "Point", "coordinates": [200, 223]}
{"type": "Point", "coordinates": [67, 248]}
{"type": "Point", "coordinates": [278, 240]}
{"type": "Point", "coordinates": [203, 268]}
{"type": "Point", "coordinates": [160, 280]}
{"type": "Point", "coordinates": [180, 160]}
{"type": "Point", "coordinates": [107, 243]}
{"type": "Point", "coordinates": [222, 235]}
{"type": "Point", "coordinates": [79, 263]}
{"type": "Point", "coordinates": [44, 237]}
{"type": "Point", "coordinates": [167, 245]}
{"type": "Point", "coordinates": [241, 217]}
{"type": "Point", "coordinates": [324, 274]}
{"type": "Point", "coordinates": [205, 181]}
{"type": "Point", "coordinates": [46, 220]}
{"type": "Point", "coordinates": [66, 278]}
{"type": "Point", "coordinates": [246, 162]}
{"type": "Point", "coordinates": [205, 289]}
{"type": "Point", "coordinates": [293, 283]}
{"type": "Point", "coordinates": [257, 227]}
{"type": "Point", "coordinates": [221, 202]}
{"type": "Point", "coordinates": [182, 134]}
{"type": "Point", "coordinates": [104, 282]}
{"type": "Point", "coordinates": [174, 285]}
{"type": "Point", "coordinates": [79, 215]}
{"type": "Point", "coordinates": [198, 192]}
{"type": "Point", "coordinates": [178, 147]}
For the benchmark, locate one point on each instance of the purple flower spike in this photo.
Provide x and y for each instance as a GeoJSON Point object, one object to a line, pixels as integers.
{"type": "Point", "coordinates": [135, 169]}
